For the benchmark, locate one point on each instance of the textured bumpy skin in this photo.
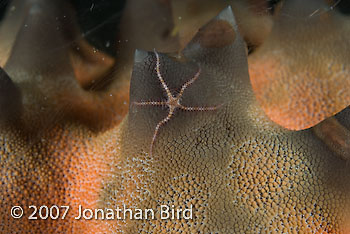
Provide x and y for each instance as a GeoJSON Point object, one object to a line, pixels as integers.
{"type": "Point", "coordinates": [240, 171]}
{"type": "Point", "coordinates": [50, 153]}
{"type": "Point", "coordinates": [300, 73]}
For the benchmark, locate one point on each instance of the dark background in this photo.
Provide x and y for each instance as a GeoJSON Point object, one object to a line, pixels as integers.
{"type": "Point", "coordinates": [99, 19]}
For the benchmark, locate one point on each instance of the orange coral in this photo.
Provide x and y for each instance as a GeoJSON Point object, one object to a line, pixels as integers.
{"type": "Point", "coordinates": [239, 171]}
{"type": "Point", "coordinates": [300, 73]}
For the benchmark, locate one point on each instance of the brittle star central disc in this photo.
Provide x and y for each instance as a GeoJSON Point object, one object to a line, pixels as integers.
{"type": "Point", "coordinates": [173, 101]}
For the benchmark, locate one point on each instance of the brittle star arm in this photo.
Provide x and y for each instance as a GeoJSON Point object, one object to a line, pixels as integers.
{"type": "Point", "coordinates": [190, 108]}
{"type": "Point", "coordinates": [150, 103]}
{"type": "Point", "coordinates": [162, 122]}
{"type": "Point", "coordinates": [188, 83]}
{"type": "Point", "coordinates": [160, 75]}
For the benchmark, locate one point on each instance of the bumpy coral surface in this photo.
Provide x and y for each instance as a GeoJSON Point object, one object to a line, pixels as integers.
{"type": "Point", "coordinates": [235, 168]}
{"type": "Point", "coordinates": [300, 73]}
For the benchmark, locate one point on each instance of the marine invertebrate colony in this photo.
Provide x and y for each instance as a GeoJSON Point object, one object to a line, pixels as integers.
{"type": "Point", "coordinates": [301, 81]}
{"type": "Point", "coordinates": [238, 171]}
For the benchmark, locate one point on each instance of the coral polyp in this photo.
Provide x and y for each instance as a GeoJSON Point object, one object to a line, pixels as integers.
{"type": "Point", "coordinates": [224, 163]}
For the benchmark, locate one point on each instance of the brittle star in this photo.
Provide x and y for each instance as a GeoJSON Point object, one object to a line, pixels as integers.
{"type": "Point", "coordinates": [173, 101]}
